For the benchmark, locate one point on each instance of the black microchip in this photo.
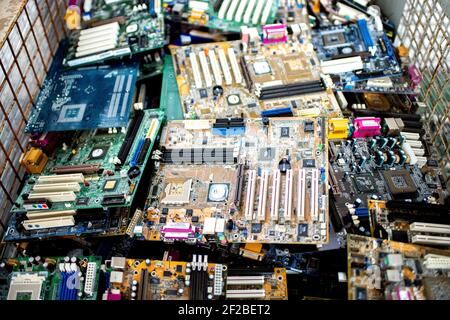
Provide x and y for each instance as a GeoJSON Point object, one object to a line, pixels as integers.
{"type": "Point", "coordinates": [294, 104]}
{"type": "Point", "coordinates": [189, 212]}
{"type": "Point", "coordinates": [284, 132]}
{"type": "Point", "coordinates": [154, 280]}
{"type": "Point", "coordinates": [251, 105]}
{"type": "Point", "coordinates": [83, 201]}
{"type": "Point", "coordinates": [203, 93]}
{"type": "Point", "coordinates": [271, 233]}
{"type": "Point", "coordinates": [432, 163]}
{"type": "Point", "coordinates": [364, 183]}
{"type": "Point", "coordinates": [162, 220]}
{"type": "Point", "coordinates": [179, 268]}
{"type": "Point", "coordinates": [167, 274]}
{"type": "Point", "coordinates": [309, 126]}
{"type": "Point", "coordinates": [303, 230]}
{"type": "Point", "coordinates": [164, 210]}
{"type": "Point", "coordinates": [256, 227]}
{"type": "Point", "coordinates": [400, 236]}
{"type": "Point", "coordinates": [171, 292]}
{"type": "Point", "coordinates": [361, 294]}
{"type": "Point", "coordinates": [309, 163]}
{"type": "Point", "coordinates": [194, 219]}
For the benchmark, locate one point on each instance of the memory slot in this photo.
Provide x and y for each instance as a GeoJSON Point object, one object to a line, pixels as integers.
{"type": "Point", "coordinates": [257, 13]}
{"type": "Point", "coordinates": [223, 9]}
{"type": "Point", "coordinates": [130, 136]}
{"type": "Point", "coordinates": [199, 156]}
{"type": "Point", "coordinates": [290, 90]}
{"type": "Point", "coordinates": [247, 78]}
{"type": "Point", "coordinates": [429, 227]}
{"type": "Point", "coordinates": [143, 285]}
{"type": "Point", "coordinates": [232, 9]}
{"type": "Point", "coordinates": [432, 240]}
{"type": "Point", "coordinates": [266, 12]}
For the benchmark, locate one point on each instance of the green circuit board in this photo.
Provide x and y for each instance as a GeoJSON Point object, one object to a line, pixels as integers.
{"type": "Point", "coordinates": [141, 29]}
{"type": "Point", "coordinates": [100, 148]}
{"type": "Point", "coordinates": [52, 278]}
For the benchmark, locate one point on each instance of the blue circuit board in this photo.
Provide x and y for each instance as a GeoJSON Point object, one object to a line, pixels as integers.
{"type": "Point", "coordinates": [361, 39]}
{"type": "Point", "coordinates": [86, 98]}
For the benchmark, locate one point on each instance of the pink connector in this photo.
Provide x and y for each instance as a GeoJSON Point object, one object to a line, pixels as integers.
{"type": "Point", "coordinates": [367, 127]}
{"type": "Point", "coordinates": [274, 33]}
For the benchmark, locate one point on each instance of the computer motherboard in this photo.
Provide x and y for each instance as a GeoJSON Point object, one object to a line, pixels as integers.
{"type": "Point", "coordinates": [89, 184]}
{"type": "Point", "coordinates": [51, 278]}
{"type": "Point", "coordinates": [388, 270]}
{"type": "Point", "coordinates": [236, 180]}
{"type": "Point", "coordinates": [114, 29]}
{"type": "Point", "coordinates": [129, 279]}
{"type": "Point", "coordinates": [279, 78]}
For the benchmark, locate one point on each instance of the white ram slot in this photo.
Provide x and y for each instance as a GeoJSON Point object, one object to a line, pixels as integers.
{"type": "Point", "coordinates": [225, 68]}
{"type": "Point", "coordinates": [275, 195]}
{"type": "Point", "coordinates": [234, 65]}
{"type": "Point", "coordinates": [245, 280]}
{"type": "Point", "coordinates": [111, 26]}
{"type": "Point", "coordinates": [250, 198]}
{"type": "Point", "coordinates": [232, 9]}
{"type": "Point", "coordinates": [195, 70]}
{"type": "Point", "coordinates": [245, 294]}
{"type": "Point", "coordinates": [57, 222]}
{"type": "Point", "coordinates": [53, 196]}
{"type": "Point", "coordinates": [288, 195]}
{"type": "Point", "coordinates": [257, 12]}
{"type": "Point", "coordinates": [215, 67]}
{"type": "Point", "coordinates": [33, 215]}
{"type": "Point", "coordinates": [57, 187]}
{"type": "Point", "coordinates": [205, 69]}
{"type": "Point", "coordinates": [73, 177]}
{"type": "Point", "coordinates": [240, 11]}
{"type": "Point", "coordinates": [301, 194]}
{"type": "Point", "coordinates": [249, 11]}
{"type": "Point", "coordinates": [224, 8]}
{"type": "Point", "coordinates": [314, 194]}
{"type": "Point", "coordinates": [429, 227]}
{"type": "Point", "coordinates": [266, 12]}
{"type": "Point", "coordinates": [418, 151]}
{"type": "Point", "coordinates": [262, 200]}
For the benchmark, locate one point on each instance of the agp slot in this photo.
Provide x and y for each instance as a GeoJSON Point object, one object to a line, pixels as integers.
{"type": "Point", "coordinates": [83, 168]}
{"type": "Point", "coordinates": [129, 138]}
{"type": "Point", "coordinates": [239, 185]}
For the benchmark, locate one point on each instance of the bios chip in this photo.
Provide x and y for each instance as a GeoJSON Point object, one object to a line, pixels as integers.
{"type": "Point", "coordinates": [400, 183]}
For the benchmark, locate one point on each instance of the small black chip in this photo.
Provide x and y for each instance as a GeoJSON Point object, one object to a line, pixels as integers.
{"type": "Point", "coordinates": [167, 274]}
{"type": "Point", "coordinates": [256, 227]}
{"type": "Point", "coordinates": [309, 163]}
{"type": "Point", "coordinates": [179, 268]}
{"type": "Point", "coordinates": [194, 219]}
{"type": "Point", "coordinates": [171, 292]}
{"type": "Point", "coordinates": [203, 93]}
{"type": "Point", "coordinates": [162, 220]}
{"type": "Point", "coordinates": [309, 126]}
{"type": "Point", "coordinates": [400, 236]}
{"type": "Point", "coordinates": [189, 212]}
{"type": "Point", "coordinates": [252, 105]}
{"type": "Point", "coordinates": [284, 132]}
{"type": "Point", "coordinates": [294, 104]}
{"type": "Point", "coordinates": [164, 210]}
{"type": "Point", "coordinates": [303, 230]}
{"type": "Point", "coordinates": [83, 201]}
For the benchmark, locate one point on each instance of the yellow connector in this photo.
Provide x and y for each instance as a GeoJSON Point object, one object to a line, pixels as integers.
{"type": "Point", "coordinates": [338, 128]}
{"type": "Point", "coordinates": [34, 160]}
{"type": "Point", "coordinates": [73, 18]}
{"type": "Point", "coordinates": [252, 251]}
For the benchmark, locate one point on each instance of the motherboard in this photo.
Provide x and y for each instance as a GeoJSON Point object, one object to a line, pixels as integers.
{"type": "Point", "coordinates": [418, 223]}
{"type": "Point", "coordinates": [355, 52]}
{"type": "Point", "coordinates": [89, 184]}
{"type": "Point", "coordinates": [86, 98]}
{"type": "Point", "coordinates": [252, 79]}
{"type": "Point", "coordinates": [236, 180]}
{"type": "Point", "coordinates": [51, 278]}
{"type": "Point", "coordinates": [388, 270]}
{"type": "Point", "coordinates": [114, 29]}
{"type": "Point", "coordinates": [129, 279]}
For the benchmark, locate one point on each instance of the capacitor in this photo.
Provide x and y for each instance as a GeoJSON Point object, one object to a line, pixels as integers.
{"type": "Point", "coordinates": [391, 158]}
{"type": "Point", "coordinates": [392, 142]}
{"type": "Point", "coordinates": [133, 294]}
{"type": "Point", "coordinates": [383, 142]}
{"type": "Point", "coordinates": [147, 262]}
{"type": "Point", "coordinates": [30, 260]}
{"type": "Point", "coordinates": [211, 277]}
{"type": "Point", "coordinates": [187, 283]}
{"type": "Point", "coordinates": [362, 161]}
{"type": "Point", "coordinates": [188, 270]}
{"type": "Point", "coordinates": [180, 291]}
{"type": "Point", "coordinates": [357, 202]}
{"type": "Point", "coordinates": [66, 259]}
{"type": "Point", "coordinates": [374, 197]}
{"type": "Point", "coordinates": [210, 296]}
{"type": "Point", "coordinates": [134, 282]}
{"type": "Point", "coordinates": [134, 288]}
{"type": "Point", "coordinates": [403, 157]}
{"type": "Point", "coordinates": [73, 259]}
{"type": "Point", "coordinates": [372, 143]}
{"type": "Point", "coordinates": [38, 259]}
{"type": "Point", "coordinates": [379, 159]}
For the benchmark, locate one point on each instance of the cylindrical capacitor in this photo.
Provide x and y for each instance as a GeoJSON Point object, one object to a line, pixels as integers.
{"type": "Point", "coordinates": [379, 159]}
{"type": "Point", "coordinates": [391, 158]}
{"type": "Point", "coordinates": [362, 161]}
{"type": "Point", "coordinates": [134, 288]}
{"type": "Point", "coordinates": [30, 260]}
{"type": "Point", "coordinates": [147, 262]}
{"type": "Point", "coordinates": [402, 156]}
{"type": "Point", "coordinates": [66, 259]}
{"type": "Point", "coordinates": [383, 142]}
{"type": "Point", "coordinates": [187, 283]}
{"type": "Point", "coordinates": [180, 291]}
{"type": "Point", "coordinates": [357, 202]}
{"type": "Point", "coordinates": [134, 282]}
{"type": "Point", "coordinates": [372, 143]}
{"type": "Point", "coordinates": [392, 142]}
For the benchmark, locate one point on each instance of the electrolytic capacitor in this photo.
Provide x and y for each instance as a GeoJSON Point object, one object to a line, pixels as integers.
{"type": "Point", "coordinates": [357, 202]}
{"type": "Point", "coordinates": [362, 161]}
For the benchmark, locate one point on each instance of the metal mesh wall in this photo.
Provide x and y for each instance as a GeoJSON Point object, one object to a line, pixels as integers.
{"type": "Point", "coordinates": [425, 30]}
{"type": "Point", "coordinates": [25, 56]}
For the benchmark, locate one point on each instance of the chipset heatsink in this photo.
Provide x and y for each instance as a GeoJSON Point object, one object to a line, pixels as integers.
{"type": "Point", "coordinates": [218, 192]}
